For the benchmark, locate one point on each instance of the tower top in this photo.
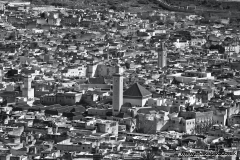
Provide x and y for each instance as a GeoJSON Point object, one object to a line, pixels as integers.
{"type": "Point", "coordinates": [162, 46]}
{"type": "Point", "coordinates": [118, 70]}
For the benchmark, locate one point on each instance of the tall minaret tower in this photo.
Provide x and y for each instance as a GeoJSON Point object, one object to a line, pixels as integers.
{"type": "Point", "coordinates": [27, 90]}
{"type": "Point", "coordinates": [117, 91]}
{"type": "Point", "coordinates": [1, 74]}
{"type": "Point", "coordinates": [162, 56]}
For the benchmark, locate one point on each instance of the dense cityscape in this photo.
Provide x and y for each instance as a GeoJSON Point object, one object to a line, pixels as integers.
{"type": "Point", "coordinates": [101, 84]}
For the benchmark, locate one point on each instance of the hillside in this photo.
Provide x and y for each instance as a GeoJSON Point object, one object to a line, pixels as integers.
{"type": "Point", "coordinates": [119, 5]}
{"type": "Point", "coordinates": [208, 4]}
{"type": "Point", "coordinates": [141, 5]}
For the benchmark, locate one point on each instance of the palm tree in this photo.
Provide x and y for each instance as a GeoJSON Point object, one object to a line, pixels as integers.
{"type": "Point", "coordinates": [149, 155]}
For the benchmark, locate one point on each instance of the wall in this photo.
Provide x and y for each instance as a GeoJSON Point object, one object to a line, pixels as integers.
{"type": "Point", "coordinates": [195, 42]}
{"type": "Point", "coordinates": [174, 108]}
{"type": "Point", "coordinates": [155, 102]}
{"type": "Point", "coordinates": [216, 133]}
{"type": "Point", "coordinates": [135, 102]}
{"type": "Point", "coordinates": [102, 86]}
{"type": "Point", "coordinates": [233, 109]}
{"type": "Point", "coordinates": [18, 152]}
{"type": "Point", "coordinates": [180, 101]}
{"type": "Point", "coordinates": [131, 123]}
{"type": "Point", "coordinates": [109, 127]}
{"type": "Point", "coordinates": [189, 126]}
{"type": "Point", "coordinates": [48, 100]}
{"type": "Point", "coordinates": [220, 116]}
{"type": "Point", "coordinates": [41, 21]}
{"type": "Point", "coordinates": [62, 99]}
{"type": "Point", "coordinates": [234, 119]}
{"type": "Point", "coordinates": [151, 124]}
{"type": "Point", "coordinates": [104, 70]}
{"type": "Point", "coordinates": [96, 111]}
{"type": "Point", "coordinates": [175, 124]}
{"type": "Point", "coordinates": [204, 96]}
{"type": "Point", "coordinates": [164, 108]}
{"type": "Point", "coordinates": [185, 79]}
{"type": "Point", "coordinates": [79, 148]}
{"type": "Point", "coordinates": [43, 130]}
{"type": "Point", "coordinates": [5, 157]}
{"type": "Point", "coordinates": [71, 98]}
{"type": "Point", "coordinates": [91, 70]}
{"type": "Point", "coordinates": [203, 117]}
{"type": "Point", "coordinates": [75, 72]}
{"type": "Point", "coordinates": [29, 93]}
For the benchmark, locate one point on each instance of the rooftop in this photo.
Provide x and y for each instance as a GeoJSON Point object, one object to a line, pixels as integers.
{"type": "Point", "coordinates": [136, 91]}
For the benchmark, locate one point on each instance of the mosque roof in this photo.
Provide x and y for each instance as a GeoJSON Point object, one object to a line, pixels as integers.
{"type": "Point", "coordinates": [136, 91]}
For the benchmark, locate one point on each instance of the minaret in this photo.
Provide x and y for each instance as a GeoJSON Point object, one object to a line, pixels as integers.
{"type": "Point", "coordinates": [117, 91]}
{"type": "Point", "coordinates": [27, 90]}
{"type": "Point", "coordinates": [1, 74]}
{"type": "Point", "coordinates": [162, 56]}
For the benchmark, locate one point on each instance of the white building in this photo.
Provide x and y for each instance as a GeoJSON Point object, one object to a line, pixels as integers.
{"type": "Point", "coordinates": [198, 42]}
{"type": "Point", "coordinates": [191, 76]}
{"type": "Point", "coordinates": [74, 72]}
{"type": "Point", "coordinates": [181, 44]}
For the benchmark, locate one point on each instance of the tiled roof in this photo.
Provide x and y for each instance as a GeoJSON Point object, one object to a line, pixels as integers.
{"type": "Point", "coordinates": [137, 91]}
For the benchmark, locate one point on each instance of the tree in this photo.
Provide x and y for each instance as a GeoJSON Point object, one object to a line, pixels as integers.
{"type": "Point", "coordinates": [127, 64]}
{"type": "Point", "coordinates": [149, 155]}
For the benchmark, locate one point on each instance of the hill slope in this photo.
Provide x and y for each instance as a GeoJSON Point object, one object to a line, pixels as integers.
{"type": "Point", "coordinates": [119, 5]}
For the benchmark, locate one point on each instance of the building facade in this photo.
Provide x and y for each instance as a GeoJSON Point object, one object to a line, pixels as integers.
{"type": "Point", "coordinates": [67, 98]}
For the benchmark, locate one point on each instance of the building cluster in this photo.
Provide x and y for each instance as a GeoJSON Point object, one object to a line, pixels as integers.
{"type": "Point", "coordinates": [104, 85]}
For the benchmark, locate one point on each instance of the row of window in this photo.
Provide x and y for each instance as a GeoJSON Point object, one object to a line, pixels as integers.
{"type": "Point", "coordinates": [83, 148]}
{"type": "Point", "coordinates": [188, 123]}
{"type": "Point", "coordinates": [53, 99]}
